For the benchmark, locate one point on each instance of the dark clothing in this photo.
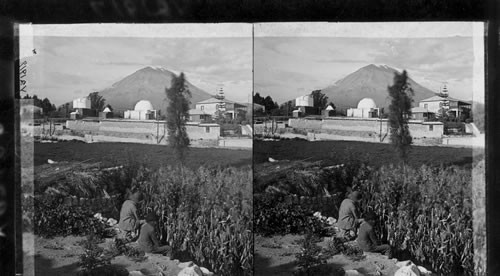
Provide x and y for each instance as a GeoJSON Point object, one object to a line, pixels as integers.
{"type": "Point", "coordinates": [148, 240]}
{"type": "Point", "coordinates": [348, 215]}
{"type": "Point", "coordinates": [368, 241]}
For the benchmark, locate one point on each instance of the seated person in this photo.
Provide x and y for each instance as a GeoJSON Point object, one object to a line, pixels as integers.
{"type": "Point", "coordinates": [148, 238]}
{"type": "Point", "coordinates": [367, 240]}
{"type": "Point", "coordinates": [129, 221]}
{"type": "Point", "coordinates": [348, 215]}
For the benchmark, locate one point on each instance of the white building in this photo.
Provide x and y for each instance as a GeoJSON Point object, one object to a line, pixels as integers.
{"type": "Point", "coordinates": [143, 110]}
{"type": "Point", "coordinates": [81, 103]}
{"type": "Point", "coordinates": [305, 100]}
{"type": "Point", "coordinates": [366, 109]}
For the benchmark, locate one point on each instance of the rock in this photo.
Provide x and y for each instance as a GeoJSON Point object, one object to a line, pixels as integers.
{"type": "Point", "coordinates": [404, 263]}
{"type": "Point", "coordinates": [424, 271]}
{"type": "Point", "coordinates": [186, 264]}
{"type": "Point", "coordinates": [410, 270]}
{"type": "Point", "coordinates": [206, 272]}
{"type": "Point", "coordinates": [193, 270]}
{"type": "Point", "coordinates": [135, 273]}
{"type": "Point", "coordinates": [352, 272]}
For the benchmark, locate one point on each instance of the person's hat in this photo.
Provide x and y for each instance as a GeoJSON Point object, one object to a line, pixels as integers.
{"type": "Point", "coordinates": [151, 217]}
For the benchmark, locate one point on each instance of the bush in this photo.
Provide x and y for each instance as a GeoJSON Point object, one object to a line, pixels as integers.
{"type": "Point", "coordinates": [273, 215]}
{"type": "Point", "coordinates": [52, 218]}
{"type": "Point", "coordinates": [310, 255]}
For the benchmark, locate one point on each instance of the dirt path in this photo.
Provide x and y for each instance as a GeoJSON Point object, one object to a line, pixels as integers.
{"type": "Point", "coordinates": [276, 256]}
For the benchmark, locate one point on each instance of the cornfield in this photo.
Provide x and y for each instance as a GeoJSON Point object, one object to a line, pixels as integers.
{"type": "Point", "coordinates": [425, 211]}
{"type": "Point", "coordinates": [205, 212]}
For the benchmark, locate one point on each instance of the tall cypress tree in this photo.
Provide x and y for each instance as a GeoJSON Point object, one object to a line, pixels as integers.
{"type": "Point", "coordinates": [401, 95]}
{"type": "Point", "coordinates": [178, 96]}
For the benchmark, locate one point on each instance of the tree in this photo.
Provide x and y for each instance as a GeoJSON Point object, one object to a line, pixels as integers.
{"type": "Point", "coordinates": [46, 106]}
{"type": "Point", "coordinates": [401, 95]}
{"type": "Point", "coordinates": [320, 100]}
{"type": "Point", "coordinates": [97, 102]}
{"type": "Point", "coordinates": [286, 109]}
{"type": "Point", "coordinates": [178, 96]}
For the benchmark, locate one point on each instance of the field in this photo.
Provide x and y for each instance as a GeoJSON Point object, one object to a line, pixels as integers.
{"type": "Point", "coordinates": [375, 154]}
{"type": "Point", "coordinates": [204, 207]}
{"type": "Point", "coordinates": [425, 206]}
{"type": "Point", "coordinates": [155, 155]}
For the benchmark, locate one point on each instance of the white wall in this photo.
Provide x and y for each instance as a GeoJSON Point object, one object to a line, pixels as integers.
{"type": "Point", "coordinates": [209, 108]}
{"type": "Point", "coordinates": [81, 103]}
{"type": "Point", "coordinates": [306, 100]}
{"type": "Point", "coordinates": [431, 106]}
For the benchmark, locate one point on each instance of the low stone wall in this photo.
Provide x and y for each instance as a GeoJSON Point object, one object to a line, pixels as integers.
{"type": "Point", "coordinates": [154, 132]}
{"type": "Point", "coordinates": [359, 129]}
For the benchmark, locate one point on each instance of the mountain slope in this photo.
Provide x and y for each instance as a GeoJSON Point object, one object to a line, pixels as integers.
{"type": "Point", "coordinates": [370, 81]}
{"type": "Point", "coordinates": [146, 84]}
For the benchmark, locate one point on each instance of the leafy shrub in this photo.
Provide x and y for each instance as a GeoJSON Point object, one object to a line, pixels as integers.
{"type": "Point", "coordinates": [52, 218]}
{"type": "Point", "coordinates": [310, 255]}
{"type": "Point", "coordinates": [92, 256]}
{"type": "Point", "coordinates": [119, 247]}
{"type": "Point", "coordinates": [94, 261]}
{"type": "Point", "coordinates": [338, 245]}
{"type": "Point", "coordinates": [273, 215]}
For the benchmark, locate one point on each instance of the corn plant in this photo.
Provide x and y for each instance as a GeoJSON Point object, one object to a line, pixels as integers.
{"type": "Point", "coordinates": [426, 211]}
{"type": "Point", "coordinates": [205, 212]}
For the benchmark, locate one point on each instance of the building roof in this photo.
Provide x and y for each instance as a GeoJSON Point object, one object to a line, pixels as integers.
{"type": "Point", "coordinates": [438, 98]}
{"type": "Point", "coordinates": [419, 109]}
{"type": "Point", "coordinates": [197, 112]}
{"type": "Point", "coordinates": [215, 100]}
{"type": "Point", "coordinates": [143, 105]}
{"type": "Point", "coordinates": [367, 103]}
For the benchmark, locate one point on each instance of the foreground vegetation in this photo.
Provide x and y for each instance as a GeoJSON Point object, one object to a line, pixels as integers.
{"type": "Point", "coordinates": [205, 213]}
{"type": "Point", "coordinates": [425, 211]}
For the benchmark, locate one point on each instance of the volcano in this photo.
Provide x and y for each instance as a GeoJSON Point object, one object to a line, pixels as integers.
{"type": "Point", "coordinates": [370, 81]}
{"type": "Point", "coordinates": [148, 83]}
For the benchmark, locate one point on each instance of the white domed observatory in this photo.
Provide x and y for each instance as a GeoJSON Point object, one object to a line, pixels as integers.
{"type": "Point", "coordinates": [366, 109]}
{"type": "Point", "coordinates": [143, 110]}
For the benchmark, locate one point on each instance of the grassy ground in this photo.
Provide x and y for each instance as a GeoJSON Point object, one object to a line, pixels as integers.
{"type": "Point", "coordinates": [153, 155]}
{"type": "Point", "coordinates": [375, 154]}
{"type": "Point", "coordinates": [276, 256]}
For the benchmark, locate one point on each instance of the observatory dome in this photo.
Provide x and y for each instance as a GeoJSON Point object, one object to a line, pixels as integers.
{"type": "Point", "coordinates": [143, 106]}
{"type": "Point", "coordinates": [367, 103]}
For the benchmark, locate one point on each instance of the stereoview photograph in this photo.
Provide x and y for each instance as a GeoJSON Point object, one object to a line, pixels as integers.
{"type": "Point", "coordinates": [369, 148]}
{"type": "Point", "coordinates": [137, 149]}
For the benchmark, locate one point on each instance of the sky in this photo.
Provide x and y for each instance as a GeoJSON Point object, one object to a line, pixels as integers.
{"type": "Point", "coordinates": [73, 60]}
{"type": "Point", "coordinates": [294, 59]}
